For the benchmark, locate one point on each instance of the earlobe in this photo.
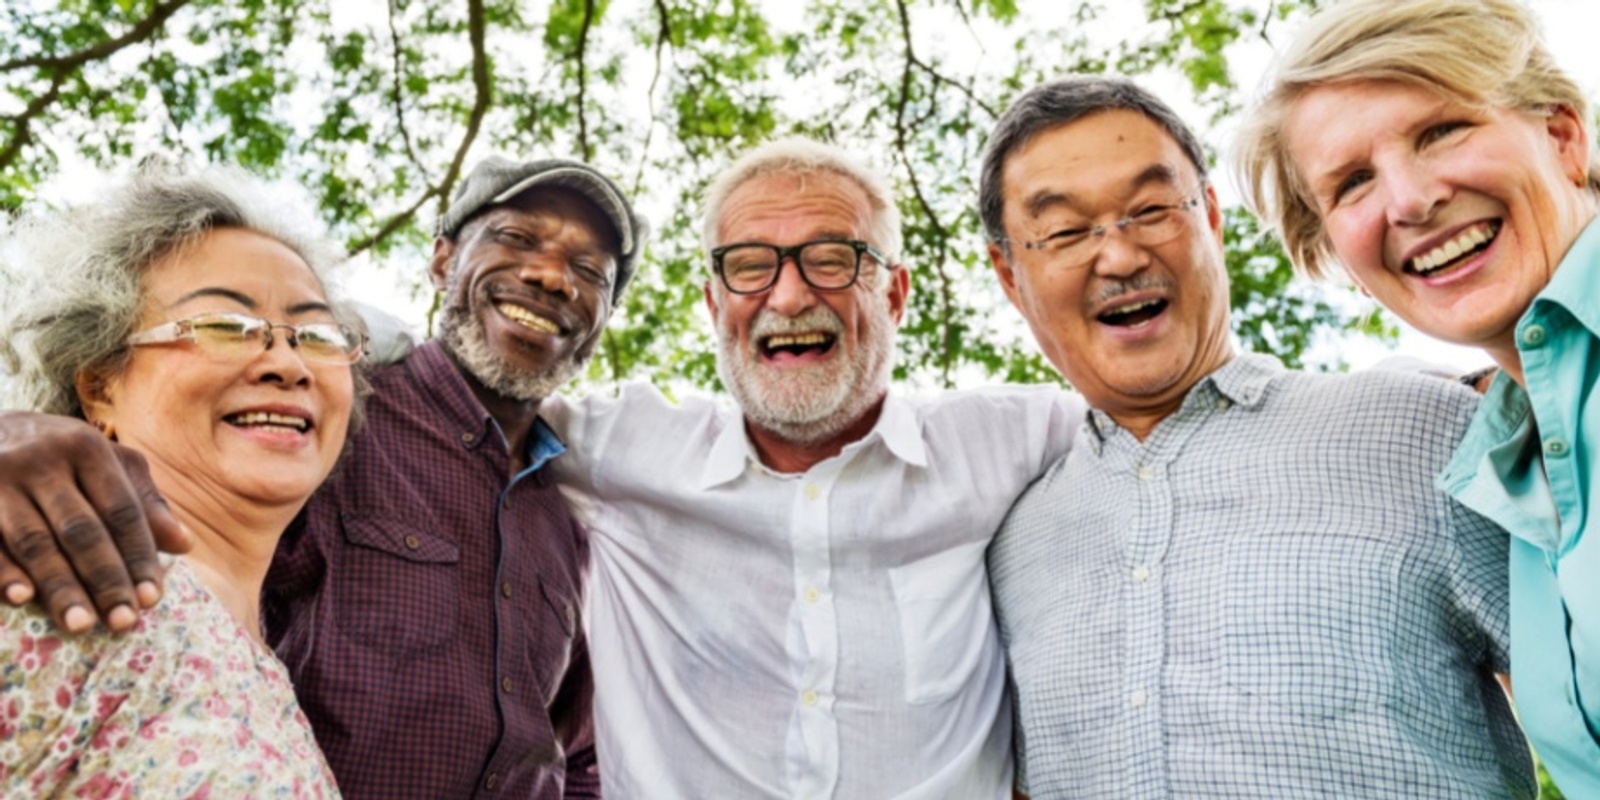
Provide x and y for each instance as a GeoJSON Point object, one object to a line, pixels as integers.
{"type": "Point", "coordinates": [444, 250]}
{"type": "Point", "coordinates": [97, 394]}
{"type": "Point", "coordinates": [711, 301]}
{"type": "Point", "coordinates": [1002, 270]}
{"type": "Point", "coordinates": [1571, 139]}
{"type": "Point", "coordinates": [899, 290]}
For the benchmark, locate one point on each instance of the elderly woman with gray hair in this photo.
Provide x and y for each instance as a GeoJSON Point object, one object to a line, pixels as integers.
{"type": "Point", "coordinates": [187, 318]}
{"type": "Point", "coordinates": [1435, 151]}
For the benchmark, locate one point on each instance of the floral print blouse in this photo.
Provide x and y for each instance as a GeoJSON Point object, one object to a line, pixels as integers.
{"type": "Point", "coordinates": [184, 705]}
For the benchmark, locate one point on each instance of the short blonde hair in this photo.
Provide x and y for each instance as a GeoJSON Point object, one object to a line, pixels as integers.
{"type": "Point", "coordinates": [1480, 53]}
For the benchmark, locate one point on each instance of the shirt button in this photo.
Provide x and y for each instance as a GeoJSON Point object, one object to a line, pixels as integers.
{"type": "Point", "coordinates": [412, 542]}
{"type": "Point", "coordinates": [1556, 447]}
{"type": "Point", "coordinates": [808, 697]}
{"type": "Point", "coordinates": [812, 595]}
{"type": "Point", "coordinates": [1533, 336]}
{"type": "Point", "coordinates": [1141, 573]}
{"type": "Point", "coordinates": [812, 492]}
{"type": "Point", "coordinates": [1223, 404]}
{"type": "Point", "coordinates": [492, 781]}
{"type": "Point", "coordinates": [505, 589]}
{"type": "Point", "coordinates": [1147, 474]}
{"type": "Point", "coordinates": [1138, 699]}
{"type": "Point", "coordinates": [505, 685]}
{"type": "Point", "coordinates": [467, 438]}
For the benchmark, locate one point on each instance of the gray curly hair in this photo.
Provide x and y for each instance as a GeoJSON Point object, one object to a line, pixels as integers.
{"type": "Point", "coordinates": [73, 281]}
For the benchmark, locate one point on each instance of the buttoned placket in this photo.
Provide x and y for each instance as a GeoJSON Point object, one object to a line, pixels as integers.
{"type": "Point", "coordinates": [816, 772]}
{"type": "Point", "coordinates": [512, 676]}
{"type": "Point", "coordinates": [1147, 465]}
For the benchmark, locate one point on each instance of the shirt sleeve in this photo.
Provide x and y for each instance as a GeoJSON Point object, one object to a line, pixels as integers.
{"type": "Point", "coordinates": [1482, 594]}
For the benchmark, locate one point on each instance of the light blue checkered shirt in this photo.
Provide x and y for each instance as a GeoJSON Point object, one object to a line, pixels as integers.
{"type": "Point", "coordinates": [1266, 598]}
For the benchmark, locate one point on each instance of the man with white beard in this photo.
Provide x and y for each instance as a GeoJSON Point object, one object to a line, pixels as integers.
{"type": "Point", "coordinates": [789, 598]}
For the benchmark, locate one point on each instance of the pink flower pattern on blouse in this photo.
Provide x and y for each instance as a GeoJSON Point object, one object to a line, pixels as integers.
{"type": "Point", "coordinates": [186, 705]}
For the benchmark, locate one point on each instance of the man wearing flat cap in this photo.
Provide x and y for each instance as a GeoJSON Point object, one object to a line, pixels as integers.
{"type": "Point", "coordinates": [429, 606]}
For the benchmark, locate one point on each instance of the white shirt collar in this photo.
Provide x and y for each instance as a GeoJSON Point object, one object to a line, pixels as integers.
{"type": "Point", "coordinates": [732, 452]}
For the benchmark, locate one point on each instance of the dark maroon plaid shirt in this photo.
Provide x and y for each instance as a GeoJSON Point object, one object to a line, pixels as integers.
{"type": "Point", "coordinates": [428, 605]}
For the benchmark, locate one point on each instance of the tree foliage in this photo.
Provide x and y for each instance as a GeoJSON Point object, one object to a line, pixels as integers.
{"type": "Point", "coordinates": [379, 108]}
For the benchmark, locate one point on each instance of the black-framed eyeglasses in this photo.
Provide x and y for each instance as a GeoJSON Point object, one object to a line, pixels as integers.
{"type": "Point", "coordinates": [240, 336]}
{"type": "Point", "coordinates": [1149, 226]}
{"type": "Point", "coordinates": [825, 264]}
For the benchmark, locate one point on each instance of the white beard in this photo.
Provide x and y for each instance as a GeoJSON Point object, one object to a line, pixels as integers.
{"type": "Point", "coordinates": [811, 405]}
{"type": "Point", "coordinates": [462, 334]}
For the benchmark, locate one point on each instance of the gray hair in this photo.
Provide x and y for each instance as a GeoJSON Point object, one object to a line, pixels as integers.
{"type": "Point", "coordinates": [1057, 103]}
{"type": "Point", "coordinates": [74, 280]}
{"type": "Point", "coordinates": [802, 157]}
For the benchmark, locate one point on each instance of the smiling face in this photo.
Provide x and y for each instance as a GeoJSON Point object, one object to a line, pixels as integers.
{"type": "Point", "coordinates": [1452, 217]}
{"type": "Point", "coordinates": [1137, 325]}
{"type": "Point", "coordinates": [527, 291]}
{"type": "Point", "coordinates": [804, 363]}
{"type": "Point", "coordinates": [264, 428]}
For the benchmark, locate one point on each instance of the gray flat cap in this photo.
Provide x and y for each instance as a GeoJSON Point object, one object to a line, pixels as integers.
{"type": "Point", "coordinates": [497, 179]}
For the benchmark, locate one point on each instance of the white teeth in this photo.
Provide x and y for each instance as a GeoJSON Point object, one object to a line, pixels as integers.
{"type": "Point", "coordinates": [799, 340]}
{"type": "Point", "coordinates": [1129, 309]}
{"type": "Point", "coordinates": [1452, 250]}
{"type": "Point", "coordinates": [526, 318]}
{"type": "Point", "coordinates": [269, 419]}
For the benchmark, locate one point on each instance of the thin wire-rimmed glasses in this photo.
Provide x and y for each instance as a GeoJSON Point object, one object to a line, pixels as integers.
{"type": "Point", "coordinates": [240, 336]}
{"type": "Point", "coordinates": [826, 264]}
{"type": "Point", "coordinates": [1151, 225]}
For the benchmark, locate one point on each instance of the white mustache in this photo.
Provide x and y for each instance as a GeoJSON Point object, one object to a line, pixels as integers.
{"type": "Point", "coordinates": [817, 318]}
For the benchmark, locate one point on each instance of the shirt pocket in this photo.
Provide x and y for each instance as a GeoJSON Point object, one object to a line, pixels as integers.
{"type": "Point", "coordinates": [1308, 621]}
{"type": "Point", "coordinates": [551, 631]}
{"type": "Point", "coordinates": [397, 587]}
{"type": "Point", "coordinates": [946, 621]}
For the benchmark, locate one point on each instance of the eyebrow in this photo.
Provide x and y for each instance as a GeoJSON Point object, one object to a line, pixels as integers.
{"type": "Point", "coordinates": [247, 301]}
{"type": "Point", "coordinates": [1044, 200]}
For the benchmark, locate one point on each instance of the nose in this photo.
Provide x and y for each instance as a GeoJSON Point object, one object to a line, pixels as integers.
{"type": "Point", "coordinates": [1412, 193]}
{"type": "Point", "coordinates": [790, 295]}
{"type": "Point", "coordinates": [550, 273]}
{"type": "Point", "coordinates": [1119, 255]}
{"type": "Point", "coordinates": [281, 365]}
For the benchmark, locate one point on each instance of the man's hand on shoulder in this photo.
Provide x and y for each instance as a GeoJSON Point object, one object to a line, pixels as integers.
{"type": "Point", "coordinates": [79, 519]}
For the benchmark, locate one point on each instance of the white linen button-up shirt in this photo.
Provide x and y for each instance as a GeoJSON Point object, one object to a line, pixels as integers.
{"type": "Point", "coordinates": [826, 634]}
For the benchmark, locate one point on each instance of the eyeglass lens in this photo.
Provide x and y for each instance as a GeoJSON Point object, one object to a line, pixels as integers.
{"type": "Point", "coordinates": [825, 265]}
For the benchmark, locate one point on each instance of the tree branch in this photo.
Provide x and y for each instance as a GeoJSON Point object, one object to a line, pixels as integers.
{"type": "Point", "coordinates": [397, 97]}
{"type": "Point", "coordinates": [584, 147]}
{"type": "Point", "coordinates": [941, 233]}
{"type": "Point", "coordinates": [145, 29]}
{"type": "Point", "coordinates": [22, 123]}
{"type": "Point", "coordinates": [481, 100]}
{"type": "Point", "coordinates": [663, 35]}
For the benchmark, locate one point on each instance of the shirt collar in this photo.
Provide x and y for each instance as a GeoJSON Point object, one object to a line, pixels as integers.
{"type": "Point", "coordinates": [1243, 381]}
{"type": "Point", "coordinates": [1572, 285]}
{"type": "Point", "coordinates": [731, 452]}
{"type": "Point", "coordinates": [438, 377]}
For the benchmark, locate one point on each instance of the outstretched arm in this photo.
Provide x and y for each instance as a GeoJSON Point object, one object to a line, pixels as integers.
{"type": "Point", "coordinates": [80, 519]}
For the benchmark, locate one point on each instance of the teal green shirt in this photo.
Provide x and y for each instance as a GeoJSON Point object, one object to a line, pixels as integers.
{"type": "Point", "coordinates": [1528, 462]}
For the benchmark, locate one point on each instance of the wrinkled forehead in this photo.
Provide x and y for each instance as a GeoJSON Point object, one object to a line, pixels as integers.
{"type": "Point", "coordinates": [556, 206]}
{"type": "Point", "coordinates": [1089, 162]}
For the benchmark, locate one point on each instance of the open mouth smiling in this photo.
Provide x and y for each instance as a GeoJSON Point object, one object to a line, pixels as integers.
{"type": "Point", "coordinates": [1459, 248]}
{"type": "Point", "coordinates": [526, 318]}
{"type": "Point", "coordinates": [1133, 314]}
{"type": "Point", "coordinates": [797, 344]}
